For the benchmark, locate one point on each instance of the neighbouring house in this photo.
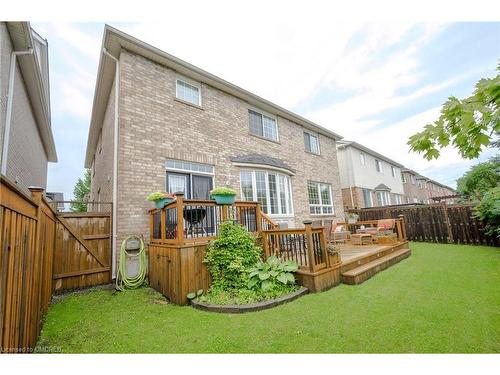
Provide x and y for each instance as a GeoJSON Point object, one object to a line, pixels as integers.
{"type": "Point", "coordinates": [438, 192]}
{"type": "Point", "coordinates": [368, 179]}
{"type": "Point", "coordinates": [27, 143]}
{"type": "Point", "coordinates": [56, 197]}
{"type": "Point", "coordinates": [421, 189]}
{"type": "Point", "coordinates": [415, 187]}
{"type": "Point", "coordinates": [159, 123]}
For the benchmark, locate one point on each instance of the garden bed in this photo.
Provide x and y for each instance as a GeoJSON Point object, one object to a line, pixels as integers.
{"type": "Point", "coordinates": [238, 309]}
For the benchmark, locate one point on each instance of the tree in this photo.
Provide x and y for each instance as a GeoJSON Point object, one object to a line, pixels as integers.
{"type": "Point", "coordinates": [81, 192]}
{"type": "Point", "coordinates": [479, 179]}
{"type": "Point", "coordinates": [469, 125]}
{"type": "Point", "coordinates": [488, 210]}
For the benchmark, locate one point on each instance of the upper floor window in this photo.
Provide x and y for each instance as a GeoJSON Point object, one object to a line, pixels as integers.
{"type": "Point", "coordinates": [99, 141]}
{"type": "Point", "coordinates": [378, 166]}
{"type": "Point", "coordinates": [412, 178]}
{"type": "Point", "coordinates": [420, 184]}
{"type": "Point", "coordinates": [403, 178]}
{"type": "Point", "coordinates": [320, 198]}
{"type": "Point", "coordinates": [272, 190]}
{"type": "Point", "coordinates": [188, 92]}
{"type": "Point", "coordinates": [262, 125]}
{"type": "Point", "coordinates": [311, 142]}
{"type": "Point", "coordinates": [362, 158]}
{"type": "Point", "coordinates": [393, 171]}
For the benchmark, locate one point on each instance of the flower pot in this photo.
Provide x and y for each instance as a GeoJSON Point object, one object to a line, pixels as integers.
{"type": "Point", "coordinates": [224, 199]}
{"type": "Point", "coordinates": [160, 203]}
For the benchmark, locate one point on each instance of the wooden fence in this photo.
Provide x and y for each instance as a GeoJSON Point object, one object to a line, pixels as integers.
{"type": "Point", "coordinates": [435, 223]}
{"type": "Point", "coordinates": [37, 246]}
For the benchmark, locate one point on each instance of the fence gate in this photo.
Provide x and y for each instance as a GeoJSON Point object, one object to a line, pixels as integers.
{"type": "Point", "coordinates": [82, 253]}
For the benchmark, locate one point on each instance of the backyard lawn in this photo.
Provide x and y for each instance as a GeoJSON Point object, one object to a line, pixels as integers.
{"type": "Point", "coordinates": [444, 298]}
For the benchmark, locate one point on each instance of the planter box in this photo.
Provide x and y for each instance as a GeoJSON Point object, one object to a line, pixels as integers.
{"type": "Point", "coordinates": [160, 203]}
{"type": "Point", "coordinates": [224, 199]}
{"type": "Point", "coordinates": [387, 239]}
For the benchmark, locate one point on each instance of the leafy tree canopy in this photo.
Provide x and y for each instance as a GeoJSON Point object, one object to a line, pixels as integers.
{"type": "Point", "coordinates": [81, 193]}
{"type": "Point", "coordinates": [479, 179]}
{"type": "Point", "coordinates": [469, 125]}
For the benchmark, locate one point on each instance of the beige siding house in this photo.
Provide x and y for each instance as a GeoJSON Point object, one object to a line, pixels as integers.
{"type": "Point", "coordinates": [368, 179]}
{"type": "Point", "coordinates": [159, 123]}
{"type": "Point", "coordinates": [27, 143]}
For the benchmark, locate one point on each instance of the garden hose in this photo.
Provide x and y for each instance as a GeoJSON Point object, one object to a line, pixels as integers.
{"type": "Point", "coordinates": [123, 280]}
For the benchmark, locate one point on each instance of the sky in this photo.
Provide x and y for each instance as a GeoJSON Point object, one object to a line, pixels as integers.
{"type": "Point", "coordinates": [375, 83]}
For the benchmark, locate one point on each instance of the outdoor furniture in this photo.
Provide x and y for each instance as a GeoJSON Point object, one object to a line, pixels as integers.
{"type": "Point", "coordinates": [361, 239]}
{"type": "Point", "coordinates": [338, 234]}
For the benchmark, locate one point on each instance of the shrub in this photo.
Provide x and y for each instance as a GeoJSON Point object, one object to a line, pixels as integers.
{"type": "Point", "coordinates": [229, 256]}
{"type": "Point", "coordinates": [223, 191]}
{"type": "Point", "coordinates": [488, 210]}
{"type": "Point", "coordinates": [271, 274]}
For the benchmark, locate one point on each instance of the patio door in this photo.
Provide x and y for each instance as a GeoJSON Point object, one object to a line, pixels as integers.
{"type": "Point", "coordinates": [201, 187]}
{"type": "Point", "coordinates": [193, 186]}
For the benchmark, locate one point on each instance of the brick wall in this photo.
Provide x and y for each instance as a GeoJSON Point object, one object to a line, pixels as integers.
{"type": "Point", "coordinates": [155, 126]}
{"type": "Point", "coordinates": [27, 160]}
{"type": "Point", "coordinates": [102, 180]}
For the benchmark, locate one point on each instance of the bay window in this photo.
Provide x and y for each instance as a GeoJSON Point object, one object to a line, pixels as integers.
{"type": "Point", "coordinates": [271, 189]}
{"type": "Point", "coordinates": [320, 198]}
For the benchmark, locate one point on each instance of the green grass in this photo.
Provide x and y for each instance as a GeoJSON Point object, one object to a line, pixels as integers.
{"type": "Point", "coordinates": [444, 298]}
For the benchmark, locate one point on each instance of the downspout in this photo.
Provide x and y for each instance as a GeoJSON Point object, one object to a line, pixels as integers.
{"type": "Point", "coordinates": [115, 161]}
{"type": "Point", "coordinates": [10, 101]}
{"type": "Point", "coordinates": [351, 174]}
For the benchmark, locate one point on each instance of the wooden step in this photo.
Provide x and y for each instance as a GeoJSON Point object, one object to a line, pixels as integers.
{"type": "Point", "coordinates": [365, 258]}
{"type": "Point", "coordinates": [365, 271]}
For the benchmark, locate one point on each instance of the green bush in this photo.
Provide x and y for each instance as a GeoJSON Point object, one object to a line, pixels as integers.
{"type": "Point", "coordinates": [217, 296]}
{"type": "Point", "coordinates": [271, 274]}
{"type": "Point", "coordinates": [488, 210]}
{"type": "Point", "coordinates": [229, 256]}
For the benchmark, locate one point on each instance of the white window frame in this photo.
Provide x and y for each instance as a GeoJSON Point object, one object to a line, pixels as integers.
{"type": "Point", "coordinates": [398, 199]}
{"type": "Point", "coordinates": [378, 165]}
{"type": "Point", "coordinates": [403, 178]}
{"type": "Point", "coordinates": [385, 194]}
{"type": "Point", "coordinates": [288, 192]}
{"type": "Point", "coordinates": [317, 142]}
{"type": "Point", "coordinates": [370, 197]}
{"type": "Point", "coordinates": [393, 171]}
{"type": "Point", "coordinates": [190, 172]}
{"type": "Point", "coordinates": [321, 205]}
{"type": "Point", "coordinates": [362, 158]}
{"type": "Point", "coordinates": [191, 83]}
{"type": "Point", "coordinates": [412, 179]}
{"type": "Point", "coordinates": [266, 114]}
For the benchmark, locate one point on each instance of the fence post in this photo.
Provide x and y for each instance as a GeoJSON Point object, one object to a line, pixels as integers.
{"type": "Point", "coordinates": [309, 242]}
{"type": "Point", "coordinates": [401, 228]}
{"type": "Point", "coordinates": [180, 217]}
{"type": "Point", "coordinates": [447, 222]}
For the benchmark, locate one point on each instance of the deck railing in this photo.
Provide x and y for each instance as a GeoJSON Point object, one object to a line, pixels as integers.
{"type": "Point", "coordinates": [306, 246]}
{"type": "Point", "coordinates": [189, 221]}
{"type": "Point", "coordinates": [399, 227]}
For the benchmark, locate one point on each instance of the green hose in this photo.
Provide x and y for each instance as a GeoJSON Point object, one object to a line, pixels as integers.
{"type": "Point", "coordinates": [122, 279]}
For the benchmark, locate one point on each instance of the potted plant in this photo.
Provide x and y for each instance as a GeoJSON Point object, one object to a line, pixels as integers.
{"type": "Point", "coordinates": [352, 218]}
{"type": "Point", "coordinates": [223, 195]}
{"type": "Point", "coordinates": [160, 199]}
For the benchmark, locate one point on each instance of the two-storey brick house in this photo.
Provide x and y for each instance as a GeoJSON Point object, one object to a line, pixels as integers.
{"type": "Point", "coordinates": [26, 139]}
{"type": "Point", "coordinates": [159, 123]}
{"type": "Point", "coordinates": [420, 189]}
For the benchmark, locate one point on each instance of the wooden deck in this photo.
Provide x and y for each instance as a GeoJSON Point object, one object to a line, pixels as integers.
{"type": "Point", "coordinates": [349, 252]}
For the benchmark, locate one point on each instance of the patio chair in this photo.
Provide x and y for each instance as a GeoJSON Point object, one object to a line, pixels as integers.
{"type": "Point", "coordinates": [338, 234]}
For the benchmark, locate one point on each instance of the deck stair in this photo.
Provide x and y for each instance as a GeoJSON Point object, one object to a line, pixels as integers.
{"type": "Point", "coordinates": [357, 271]}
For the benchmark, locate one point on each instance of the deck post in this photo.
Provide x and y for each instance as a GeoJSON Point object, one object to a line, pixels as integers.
{"type": "Point", "coordinates": [180, 217]}
{"type": "Point", "coordinates": [163, 223]}
{"type": "Point", "coordinates": [322, 237]}
{"type": "Point", "coordinates": [258, 218]}
{"type": "Point", "coordinates": [309, 241]}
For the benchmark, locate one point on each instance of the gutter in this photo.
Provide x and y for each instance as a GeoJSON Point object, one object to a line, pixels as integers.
{"type": "Point", "coordinates": [115, 162]}
{"type": "Point", "coordinates": [10, 101]}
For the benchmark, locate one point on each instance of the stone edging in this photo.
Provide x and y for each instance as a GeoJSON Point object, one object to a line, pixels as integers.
{"type": "Point", "coordinates": [238, 309]}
